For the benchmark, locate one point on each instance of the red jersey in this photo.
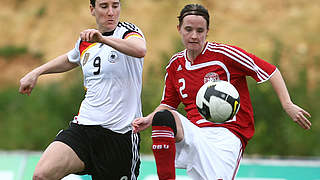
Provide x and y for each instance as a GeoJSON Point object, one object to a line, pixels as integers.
{"type": "Point", "coordinates": [216, 62]}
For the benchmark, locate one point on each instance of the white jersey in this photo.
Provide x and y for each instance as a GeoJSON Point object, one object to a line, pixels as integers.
{"type": "Point", "coordinates": [113, 82]}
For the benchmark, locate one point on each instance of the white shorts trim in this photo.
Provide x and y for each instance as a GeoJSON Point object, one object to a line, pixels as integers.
{"type": "Point", "coordinates": [208, 153]}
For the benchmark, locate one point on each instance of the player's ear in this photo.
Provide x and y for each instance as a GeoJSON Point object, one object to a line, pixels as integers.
{"type": "Point", "coordinates": [92, 10]}
{"type": "Point", "coordinates": [178, 28]}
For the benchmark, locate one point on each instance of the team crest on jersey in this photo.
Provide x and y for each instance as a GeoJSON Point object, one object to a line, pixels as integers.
{"type": "Point", "coordinates": [85, 58]}
{"type": "Point", "coordinates": [211, 76]}
{"type": "Point", "coordinates": [113, 56]}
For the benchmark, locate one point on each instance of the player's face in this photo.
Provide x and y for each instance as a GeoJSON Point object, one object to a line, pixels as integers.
{"type": "Point", "coordinates": [193, 31]}
{"type": "Point", "coordinates": [107, 14]}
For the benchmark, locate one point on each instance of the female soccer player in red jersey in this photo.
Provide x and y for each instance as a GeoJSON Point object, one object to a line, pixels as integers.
{"type": "Point", "coordinates": [207, 150]}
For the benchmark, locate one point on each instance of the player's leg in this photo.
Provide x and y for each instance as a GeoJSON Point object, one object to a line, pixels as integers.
{"type": "Point", "coordinates": [166, 130]}
{"type": "Point", "coordinates": [116, 155]}
{"type": "Point", "coordinates": [57, 161]}
{"type": "Point", "coordinates": [210, 153]}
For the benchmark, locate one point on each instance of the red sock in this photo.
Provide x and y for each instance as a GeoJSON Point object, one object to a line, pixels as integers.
{"type": "Point", "coordinates": [164, 151]}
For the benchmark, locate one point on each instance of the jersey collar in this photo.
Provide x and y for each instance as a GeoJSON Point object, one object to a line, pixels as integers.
{"type": "Point", "coordinates": [108, 33]}
{"type": "Point", "coordinates": [195, 61]}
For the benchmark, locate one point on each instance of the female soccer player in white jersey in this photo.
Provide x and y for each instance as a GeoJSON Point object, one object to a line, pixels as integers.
{"type": "Point", "coordinates": [99, 140]}
{"type": "Point", "coordinates": [207, 150]}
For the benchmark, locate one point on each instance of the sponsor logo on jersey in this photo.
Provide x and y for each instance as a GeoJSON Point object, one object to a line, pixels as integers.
{"type": "Point", "coordinates": [113, 56]}
{"type": "Point", "coordinates": [211, 76]}
{"type": "Point", "coordinates": [179, 68]}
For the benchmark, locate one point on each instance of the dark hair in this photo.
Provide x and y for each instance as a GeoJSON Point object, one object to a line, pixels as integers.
{"type": "Point", "coordinates": [194, 9]}
{"type": "Point", "coordinates": [93, 3]}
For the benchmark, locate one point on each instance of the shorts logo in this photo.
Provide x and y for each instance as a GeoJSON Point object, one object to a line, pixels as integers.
{"type": "Point", "coordinates": [113, 56]}
{"type": "Point", "coordinates": [211, 76]}
{"type": "Point", "coordinates": [124, 178]}
{"type": "Point", "coordinates": [60, 132]}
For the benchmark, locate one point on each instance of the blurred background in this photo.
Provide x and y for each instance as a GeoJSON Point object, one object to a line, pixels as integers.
{"type": "Point", "coordinates": [284, 33]}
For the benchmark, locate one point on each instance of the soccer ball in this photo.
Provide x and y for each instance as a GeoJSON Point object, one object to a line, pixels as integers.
{"type": "Point", "coordinates": [218, 101]}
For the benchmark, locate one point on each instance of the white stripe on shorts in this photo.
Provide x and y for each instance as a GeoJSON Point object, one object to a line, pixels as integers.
{"type": "Point", "coordinates": [135, 154]}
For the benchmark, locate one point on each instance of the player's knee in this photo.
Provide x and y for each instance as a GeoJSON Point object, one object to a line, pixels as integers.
{"type": "Point", "coordinates": [39, 175]}
{"type": "Point", "coordinates": [165, 118]}
{"type": "Point", "coordinates": [42, 173]}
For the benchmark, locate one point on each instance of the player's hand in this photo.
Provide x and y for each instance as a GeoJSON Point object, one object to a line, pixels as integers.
{"type": "Point", "coordinates": [140, 124]}
{"type": "Point", "coordinates": [91, 35]}
{"type": "Point", "coordinates": [299, 115]}
{"type": "Point", "coordinates": [27, 83]}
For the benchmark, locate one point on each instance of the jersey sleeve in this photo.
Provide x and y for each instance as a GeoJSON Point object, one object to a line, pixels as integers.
{"type": "Point", "coordinates": [74, 54]}
{"type": "Point", "coordinates": [251, 65]}
{"type": "Point", "coordinates": [170, 97]}
{"type": "Point", "coordinates": [131, 31]}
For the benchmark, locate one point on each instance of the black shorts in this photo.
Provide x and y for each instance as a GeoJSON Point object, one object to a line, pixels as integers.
{"type": "Point", "coordinates": [106, 154]}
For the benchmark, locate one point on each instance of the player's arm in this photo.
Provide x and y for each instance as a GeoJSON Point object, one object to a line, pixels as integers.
{"type": "Point", "coordinates": [133, 46]}
{"type": "Point", "coordinates": [261, 71]}
{"type": "Point", "coordinates": [170, 101]}
{"type": "Point", "coordinates": [142, 123]}
{"type": "Point", "coordinates": [57, 65]}
{"type": "Point", "coordinates": [296, 113]}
